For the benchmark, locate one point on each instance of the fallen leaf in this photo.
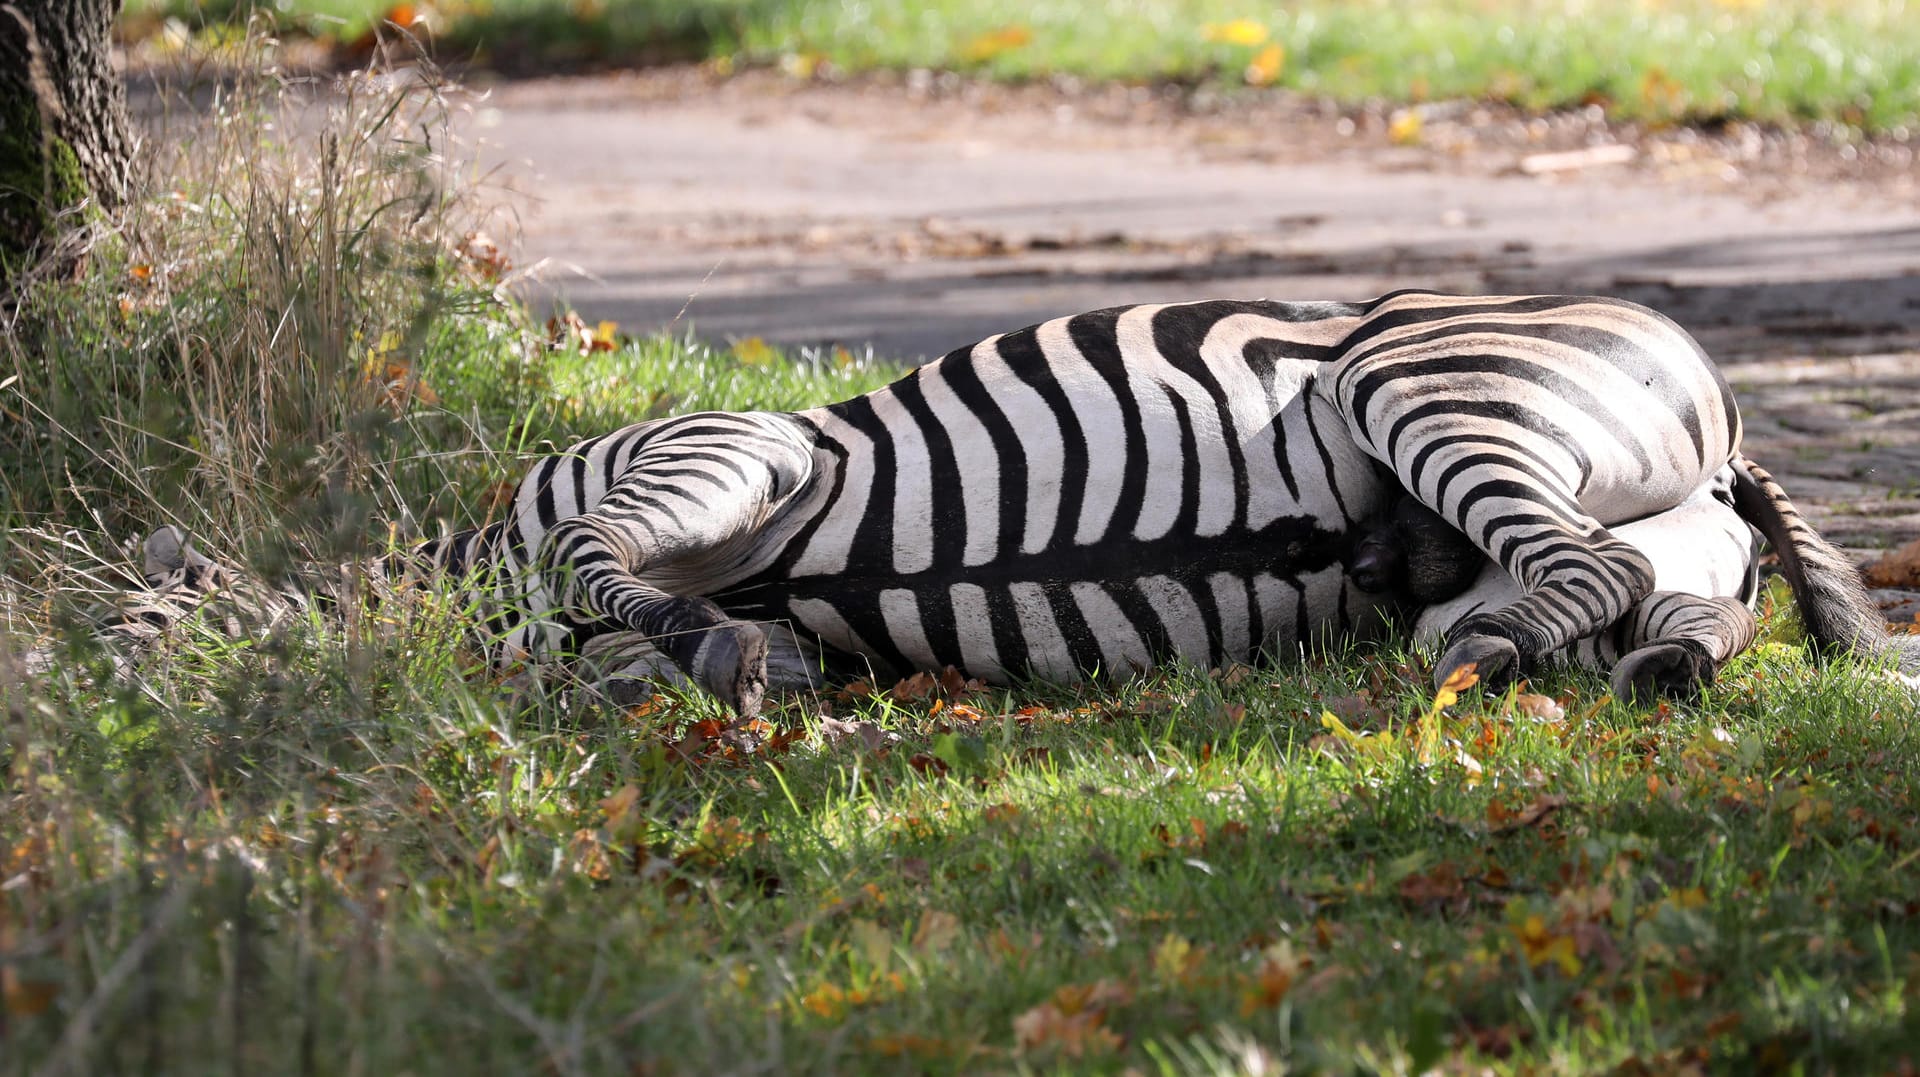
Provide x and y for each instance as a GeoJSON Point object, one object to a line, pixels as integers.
{"type": "Point", "coordinates": [1540, 944]}
{"type": "Point", "coordinates": [605, 337]}
{"type": "Point", "coordinates": [588, 855]}
{"type": "Point", "coordinates": [1237, 32]}
{"type": "Point", "coordinates": [1541, 708]}
{"type": "Point", "coordinates": [1900, 568]}
{"type": "Point", "coordinates": [617, 806]}
{"type": "Point", "coordinates": [1460, 679]}
{"type": "Point", "coordinates": [25, 998]}
{"type": "Point", "coordinates": [865, 734]}
{"type": "Point", "coordinates": [479, 250]}
{"type": "Point", "coordinates": [1534, 814]}
{"type": "Point", "coordinates": [1441, 884]}
{"type": "Point", "coordinates": [918, 686]}
{"type": "Point", "coordinates": [1073, 1021]}
{"type": "Point", "coordinates": [936, 932]}
{"type": "Point", "coordinates": [1404, 129]}
{"type": "Point", "coordinates": [1271, 981]}
{"type": "Point", "coordinates": [1001, 813]}
{"type": "Point", "coordinates": [931, 765]}
{"type": "Point", "coordinates": [570, 333]}
{"type": "Point", "coordinates": [1361, 708]}
{"type": "Point", "coordinates": [1176, 960]}
{"type": "Point", "coordinates": [1265, 65]}
{"type": "Point", "coordinates": [994, 42]}
{"type": "Point", "coordinates": [754, 351]}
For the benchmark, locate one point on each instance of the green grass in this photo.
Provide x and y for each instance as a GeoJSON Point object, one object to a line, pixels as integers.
{"type": "Point", "coordinates": [1856, 63]}
{"type": "Point", "coordinates": [344, 848]}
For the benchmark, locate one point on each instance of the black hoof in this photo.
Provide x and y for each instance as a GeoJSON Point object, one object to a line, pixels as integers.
{"type": "Point", "coordinates": [627, 691]}
{"type": "Point", "coordinates": [733, 666]}
{"type": "Point", "coordinates": [1673, 670]}
{"type": "Point", "coordinates": [1494, 658]}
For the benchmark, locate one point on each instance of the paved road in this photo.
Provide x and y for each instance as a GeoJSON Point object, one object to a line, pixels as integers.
{"type": "Point", "coordinates": [877, 215]}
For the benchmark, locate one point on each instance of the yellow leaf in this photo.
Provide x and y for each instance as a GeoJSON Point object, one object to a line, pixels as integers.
{"type": "Point", "coordinates": [993, 43]}
{"type": "Point", "coordinates": [1404, 128]}
{"type": "Point", "coordinates": [1339, 728]}
{"type": "Point", "coordinates": [754, 351]}
{"type": "Point", "coordinates": [1176, 959]}
{"type": "Point", "coordinates": [1460, 679]}
{"type": "Point", "coordinates": [826, 1001]}
{"type": "Point", "coordinates": [1690, 898]}
{"type": "Point", "coordinates": [1237, 32]}
{"type": "Point", "coordinates": [1541, 945]}
{"type": "Point", "coordinates": [800, 65]}
{"type": "Point", "coordinates": [1265, 65]}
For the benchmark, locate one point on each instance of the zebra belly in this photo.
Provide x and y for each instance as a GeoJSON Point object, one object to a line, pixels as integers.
{"type": "Point", "coordinates": [1109, 609]}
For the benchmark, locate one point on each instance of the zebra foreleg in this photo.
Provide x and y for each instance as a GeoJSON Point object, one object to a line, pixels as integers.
{"type": "Point", "coordinates": [624, 667]}
{"type": "Point", "coordinates": [1670, 641]}
{"type": "Point", "coordinates": [1575, 581]}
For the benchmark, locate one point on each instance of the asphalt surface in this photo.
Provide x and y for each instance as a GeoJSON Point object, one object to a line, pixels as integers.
{"type": "Point", "coordinates": [913, 217]}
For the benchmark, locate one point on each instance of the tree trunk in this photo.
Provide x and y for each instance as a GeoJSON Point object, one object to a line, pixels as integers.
{"type": "Point", "coordinates": [65, 140]}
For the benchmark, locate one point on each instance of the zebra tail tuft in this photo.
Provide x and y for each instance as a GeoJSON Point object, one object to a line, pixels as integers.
{"type": "Point", "coordinates": [1827, 587]}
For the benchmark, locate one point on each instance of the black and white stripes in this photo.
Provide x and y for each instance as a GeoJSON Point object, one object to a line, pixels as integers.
{"type": "Point", "coordinates": [1106, 491]}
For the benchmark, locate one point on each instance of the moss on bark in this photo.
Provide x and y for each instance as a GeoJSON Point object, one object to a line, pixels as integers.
{"type": "Point", "coordinates": [40, 179]}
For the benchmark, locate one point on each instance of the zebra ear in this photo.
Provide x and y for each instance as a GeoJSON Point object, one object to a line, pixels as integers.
{"type": "Point", "coordinates": [166, 551]}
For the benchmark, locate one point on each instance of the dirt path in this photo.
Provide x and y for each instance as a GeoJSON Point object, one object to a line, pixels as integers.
{"type": "Point", "coordinates": [917, 217]}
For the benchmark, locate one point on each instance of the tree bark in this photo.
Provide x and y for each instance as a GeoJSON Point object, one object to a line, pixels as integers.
{"type": "Point", "coordinates": [65, 139]}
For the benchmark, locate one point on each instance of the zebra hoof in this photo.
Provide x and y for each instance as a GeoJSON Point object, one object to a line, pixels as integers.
{"type": "Point", "coordinates": [732, 664]}
{"type": "Point", "coordinates": [627, 691]}
{"type": "Point", "coordinates": [1673, 670]}
{"type": "Point", "coordinates": [1494, 658]}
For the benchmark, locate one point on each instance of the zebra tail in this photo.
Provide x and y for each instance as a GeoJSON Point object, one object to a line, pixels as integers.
{"type": "Point", "coordinates": [1827, 587]}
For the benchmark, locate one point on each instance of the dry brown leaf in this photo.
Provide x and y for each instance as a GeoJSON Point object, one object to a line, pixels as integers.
{"type": "Point", "coordinates": [1441, 884]}
{"type": "Point", "coordinates": [864, 734]}
{"type": "Point", "coordinates": [1544, 708]}
{"type": "Point", "coordinates": [936, 932]}
{"type": "Point", "coordinates": [1534, 814]}
{"type": "Point", "coordinates": [1899, 568]}
{"type": "Point", "coordinates": [918, 686]}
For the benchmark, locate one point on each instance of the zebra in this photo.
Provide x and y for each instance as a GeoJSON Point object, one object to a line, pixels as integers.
{"type": "Point", "coordinates": [1105, 491]}
{"type": "Point", "coordinates": [1203, 481]}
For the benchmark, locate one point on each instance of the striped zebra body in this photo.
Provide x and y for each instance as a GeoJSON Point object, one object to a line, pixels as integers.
{"type": "Point", "coordinates": [1104, 492]}
{"type": "Point", "coordinates": [1095, 494]}
{"type": "Point", "coordinates": [1107, 491]}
